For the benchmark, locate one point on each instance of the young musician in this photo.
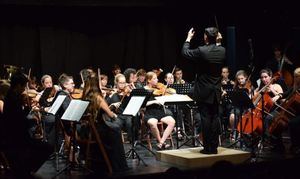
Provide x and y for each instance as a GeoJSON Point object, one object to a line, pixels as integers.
{"type": "Point", "coordinates": [109, 127]}
{"type": "Point", "coordinates": [155, 113]}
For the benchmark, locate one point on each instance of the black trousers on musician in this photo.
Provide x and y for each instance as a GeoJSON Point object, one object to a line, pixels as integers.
{"type": "Point", "coordinates": [210, 125]}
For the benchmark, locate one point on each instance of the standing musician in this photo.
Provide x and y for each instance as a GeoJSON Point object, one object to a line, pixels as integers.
{"type": "Point", "coordinates": [207, 87]}
{"type": "Point", "coordinates": [155, 113]}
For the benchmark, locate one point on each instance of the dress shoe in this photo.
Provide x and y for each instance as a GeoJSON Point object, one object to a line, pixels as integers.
{"type": "Point", "coordinates": [205, 151]}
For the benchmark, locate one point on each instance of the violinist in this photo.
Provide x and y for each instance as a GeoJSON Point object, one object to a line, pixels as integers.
{"type": "Point", "coordinates": [169, 78]}
{"type": "Point", "coordinates": [117, 102]}
{"type": "Point", "coordinates": [67, 84]}
{"type": "Point", "coordinates": [131, 78]}
{"type": "Point", "coordinates": [141, 76]}
{"type": "Point", "coordinates": [19, 147]}
{"type": "Point", "coordinates": [45, 102]}
{"type": "Point", "coordinates": [155, 113]}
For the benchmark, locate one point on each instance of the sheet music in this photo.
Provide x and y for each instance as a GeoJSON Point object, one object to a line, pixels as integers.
{"type": "Point", "coordinates": [75, 110]}
{"type": "Point", "coordinates": [57, 103]}
{"type": "Point", "coordinates": [174, 98]}
{"type": "Point", "coordinates": [134, 105]}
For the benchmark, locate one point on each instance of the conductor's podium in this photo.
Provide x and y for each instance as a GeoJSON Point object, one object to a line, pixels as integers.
{"type": "Point", "coordinates": [192, 158]}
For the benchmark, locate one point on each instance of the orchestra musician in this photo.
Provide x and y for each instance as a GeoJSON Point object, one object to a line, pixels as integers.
{"type": "Point", "coordinates": [207, 88]}
{"type": "Point", "coordinates": [294, 123]}
{"type": "Point", "coordinates": [225, 103]}
{"type": "Point", "coordinates": [24, 154]}
{"type": "Point", "coordinates": [178, 76]}
{"type": "Point", "coordinates": [239, 85]}
{"type": "Point", "coordinates": [117, 102]}
{"type": "Point", "coordinates": [141, 76]}
{"type": "Point", "coordinates": [155, 112]}
{"type": "Point", "coordinates": [109, 127]}
{"type": "Point", "coordinates": [272, 92]}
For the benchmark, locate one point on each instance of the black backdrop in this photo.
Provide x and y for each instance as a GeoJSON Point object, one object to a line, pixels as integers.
{"type": "Point", "coordinates": [67, 36]}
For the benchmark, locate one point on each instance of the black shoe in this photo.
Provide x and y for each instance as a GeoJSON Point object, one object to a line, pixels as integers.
{"type": "Point", "coordinates": [205, 151]}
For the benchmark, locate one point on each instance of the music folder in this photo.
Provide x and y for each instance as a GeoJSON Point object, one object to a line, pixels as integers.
{"type": "Point", "coordinates": [56, 105]}
{"type": "Point", "coordinates": [134, 105]}
{"type": "Point", "coordinates": [75, 110]}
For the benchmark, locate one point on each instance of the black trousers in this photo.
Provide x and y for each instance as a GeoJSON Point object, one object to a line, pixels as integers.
{"type": "Point", "coordinates": [210, 125]}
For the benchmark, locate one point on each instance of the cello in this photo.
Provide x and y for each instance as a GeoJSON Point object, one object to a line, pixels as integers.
{"type": "Point", "coordinates": [252, 121]}
{"type": "Point", "coordinates": [288, 109]}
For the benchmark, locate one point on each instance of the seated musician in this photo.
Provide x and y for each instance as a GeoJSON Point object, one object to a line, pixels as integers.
{"type": "Point", "coordinates": [117, 102]}
{"type": "Point", "coordinates": [131, 78]}
{"type": "Point", "coordinates": [240, 85]}
{"type": "Point", "coordinates": [24, 154]}
{"type": "Point", "coordinates": [155, 113]}
{"type": "Point", "coordinates": [273, 91]}
{"type": "Point", "coordinates": [67, 84]}
{"type": "Point", "coordinates": [294, 123]}
{"type": "Point", "coordinates": [107, 123]}
{"type": "Point", "coordinates": [225, 103]}
{"type": "Point", "coordinates": [178, 76]}
{"type": "Point", "coordinates": [141, 76]}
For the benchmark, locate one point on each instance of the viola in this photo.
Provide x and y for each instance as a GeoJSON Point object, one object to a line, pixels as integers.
{"type": "Point", "coordinates": [161, 89]}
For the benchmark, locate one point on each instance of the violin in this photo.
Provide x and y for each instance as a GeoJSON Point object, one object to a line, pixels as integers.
{"type": "Point", "coordinates": [161, 89]}
{"type": "Point", "coordinates": [77, 93]}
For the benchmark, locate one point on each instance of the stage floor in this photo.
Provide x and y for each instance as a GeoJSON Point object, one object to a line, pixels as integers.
{"type": "Point", "coordinates": [157, 166]}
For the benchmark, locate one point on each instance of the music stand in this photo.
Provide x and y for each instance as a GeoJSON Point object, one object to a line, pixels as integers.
{"type": "Point", "coordinates": [184, 89]}
{"type": "Point", "coordinates": [138, 99]}
{"type": "Point", "coordinates": [53, 110]}
{"type": "Point", "coordinates": [241, 100]}
{"type": "Point", "coordinates": [73, 114]}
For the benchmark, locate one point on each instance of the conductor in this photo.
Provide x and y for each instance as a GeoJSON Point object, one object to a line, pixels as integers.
{"type": "Point", "coordinates": [207, 89]}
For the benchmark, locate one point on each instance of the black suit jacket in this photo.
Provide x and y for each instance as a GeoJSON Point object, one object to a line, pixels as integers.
{"type": "Point", "coordinates": [210, 59]}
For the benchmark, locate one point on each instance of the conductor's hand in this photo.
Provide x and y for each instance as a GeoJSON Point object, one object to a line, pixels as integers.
{"type": "Point", "coordinates": [219, 38]}
{"type": "Point", "coordinates": [190, 35]}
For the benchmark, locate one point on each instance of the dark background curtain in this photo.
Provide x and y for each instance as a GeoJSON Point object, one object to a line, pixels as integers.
{"type": "Point", "coordinates": [66, 36]}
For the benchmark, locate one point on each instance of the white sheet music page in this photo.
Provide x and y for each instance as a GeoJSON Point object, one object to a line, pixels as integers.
{"type": "Point", "coordinates": [174, 98]}
{"type": "Point", "coordinates": [134, 105]}
{"type": "Point", "coordinates": [75, 110]}
{"type": "Point", "coordinates": [57, 103]}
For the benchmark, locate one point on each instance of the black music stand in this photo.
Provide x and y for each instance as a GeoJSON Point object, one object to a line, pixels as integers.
{"type": "Point", "coordinates": [241, 100]}
{"type": "Point", "coordinates": [73, 114]}
{"type": "Point", "coordinates": [53, 111]}
{"type": "Point", "coordinates": [138, 99]}
{"type": "Point", "coordinates": [184, 89]}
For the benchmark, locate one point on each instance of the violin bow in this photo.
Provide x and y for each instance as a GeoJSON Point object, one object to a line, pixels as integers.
{"type": "Point", "coordinates": [168, 81]}
{"type": "Point", "coordinates": [99, 78]}
{"type": "Point", "coordinates": [216, 21]}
